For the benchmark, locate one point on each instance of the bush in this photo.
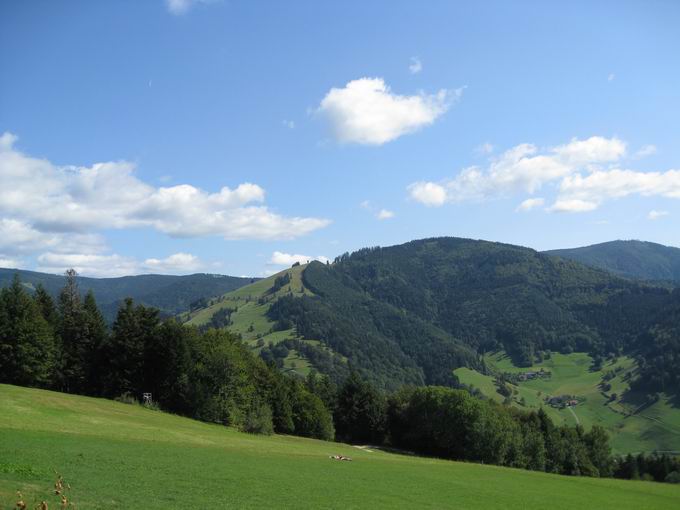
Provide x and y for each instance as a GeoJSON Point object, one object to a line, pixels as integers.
{"type": "Point", "coordinates": [259, 420]}
{"type": "Point", "coordinates": [127, 398]}
{"type": "Point", "coordinates": [672, 477]}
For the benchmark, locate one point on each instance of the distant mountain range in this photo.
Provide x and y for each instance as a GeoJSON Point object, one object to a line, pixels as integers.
{"type": "Point", "coordinates": [171, 294]}
{"type": "Point", "coordinates": [631, 259]}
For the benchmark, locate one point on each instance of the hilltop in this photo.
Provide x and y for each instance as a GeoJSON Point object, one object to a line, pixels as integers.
{"type": "Point", "coordinates": [117, 455]}
{"type": "Point", "coordinates": [631, 259]}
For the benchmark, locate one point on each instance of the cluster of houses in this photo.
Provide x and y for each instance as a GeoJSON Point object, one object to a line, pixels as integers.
{"type": "Point", "coordinates": [562, 401]}
{"type": "Point", "coordinates": [528, 376]}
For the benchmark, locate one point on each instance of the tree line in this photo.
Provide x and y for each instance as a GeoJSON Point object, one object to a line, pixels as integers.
{"type": "Point", "coordinates": [212, 376]}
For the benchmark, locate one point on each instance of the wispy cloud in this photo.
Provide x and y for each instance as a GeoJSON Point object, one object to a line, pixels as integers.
{"type": "Point", "coordinates": [485, 148]}
{"type": "Point", "coordinates": [415, 66]}
{"type": "Point", "coordinates": [179, 7]}
{"type": "Point", "coordinates": [384, 214]}
{"type": "Point", "coordinates": [655, 215]}
{"type": "Point", "coordinates": [279, 258]}
{"type": "Point", "coordinates": [530, 203]}
{"type": "Point", "coordinates": [645, 150]}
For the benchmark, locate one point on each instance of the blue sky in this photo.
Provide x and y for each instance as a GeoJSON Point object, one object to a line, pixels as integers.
{"type": "Point", "coordinates": [231, 136]}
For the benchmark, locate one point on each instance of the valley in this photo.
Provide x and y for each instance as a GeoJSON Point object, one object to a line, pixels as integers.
{"type": "Point", "coordinates": [633, 424]}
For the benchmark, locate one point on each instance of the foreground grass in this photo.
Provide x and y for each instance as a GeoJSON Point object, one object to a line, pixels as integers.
{"type": "Point", "coordinates": [654, 428]}
{"type": "Point", "coordinates": [122, 456]}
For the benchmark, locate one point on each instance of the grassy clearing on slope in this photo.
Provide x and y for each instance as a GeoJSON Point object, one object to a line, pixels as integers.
{"type": "Point", "coordinates": [121, 456]}
{"type": "Point", "coordinates": [250, 318]}
{"type": "Point", "coordinates": [655, 428]}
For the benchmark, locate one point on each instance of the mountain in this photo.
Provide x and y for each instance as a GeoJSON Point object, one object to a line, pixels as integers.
{"type": "Point", "coordinates": [631, 259]}
{"type": "Point", "coordinates": [413, 313]}
{"type": "Point", "coordinates": [171, 294]}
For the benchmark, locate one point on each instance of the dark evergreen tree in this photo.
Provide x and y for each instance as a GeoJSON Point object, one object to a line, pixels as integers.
{"type": "Point", "coordinates": [74, 340]}
{"type": "Point", "coordinates": [46, 306]}
{"type": "Point", "coordinates": [133, 329]}
{"type": "Point", "coordinates": [27, 351]}
{"type": "Point", "coordinates": [96, 333]}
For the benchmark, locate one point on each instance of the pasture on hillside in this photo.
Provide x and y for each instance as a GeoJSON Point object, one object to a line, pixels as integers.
{"type": "Point", "coordinates": [249, 319]}
{"type": "Point", "coordinates": [632, 425]}
{"type": "Point", "coordinates": [117, 455]}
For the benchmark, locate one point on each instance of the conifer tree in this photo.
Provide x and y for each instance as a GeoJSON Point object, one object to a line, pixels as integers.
{"type": "Point", "coordinates": [26, 343]}
{"type": "Point", "coordinates": [96, 331]}
{"type": "Point", "coordinates": [46, 306]}
{"type": "Point", "coordinates": [73, 336]}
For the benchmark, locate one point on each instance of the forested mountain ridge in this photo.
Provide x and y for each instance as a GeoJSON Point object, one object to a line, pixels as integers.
{"type": "Point", "coordinates": [169, 293]}
{"type": "Point", "coordinates": [632, 259]}
{"type": "Point", "coordinates": [412, 313]}
{"type": "Point", "coordinates": [479, 295]}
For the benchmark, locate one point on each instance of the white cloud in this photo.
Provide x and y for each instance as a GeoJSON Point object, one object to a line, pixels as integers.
{"type": "Point", "coordinates": [18, 237]}
{"type": "Point", "coordinates": [384, 214]}
{"type": "Point", "coordinates": [179, 7]}
{"type": "Point", "coordinates": [176, 263]}
{"type": "Point", "coordinates": [599, 186]}
{"type": "Point", "coordinates": [415, 66]}
{"type": "Point", "coordinates": [522, 168]}
{"type": "Point", "coordinates": [530, 203]}
{"type": "Point", "coordinates": [9, 263]}
{"type": "Point", "coordinates": [594, 150]}
{"type": "Point", "coordinates": [381, 214]}
{"type": "Point", "coordinates": [573, 206]}
{"type": "Point", "coordinates": [428, 193]}
{"type": "Point", "coordinates": [113, 265]}
{"type": "Point", "coordinates": [645, 150]}
{"type": "Point", "coordinates": [87, 265]}
{"type": "Point", "coordinates": [655, 215]}
{"type": "Point", "coordinates": [287, 259]}
{"type": "Point", "coordinates": [59, 199]}
{"type": "Point", "coordinates": [365, 111]}
{"type": "Point", "coordinates": [290, 124]}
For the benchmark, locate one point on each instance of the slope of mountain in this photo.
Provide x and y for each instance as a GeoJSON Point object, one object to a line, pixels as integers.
{"type": "Point", "coordinates": [343, 329]}
{"type": "Point", "coordinates": [116, 455]}
{"type": "Point", "coordinates": [171, 294]}
{"type": "Point", "coordinates": [631, 259]}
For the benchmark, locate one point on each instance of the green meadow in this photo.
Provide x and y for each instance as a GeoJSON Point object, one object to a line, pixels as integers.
{"type": "Point", "coordinates": [117, 455]}
{"type": "Point", "coordinates": [633, 427]}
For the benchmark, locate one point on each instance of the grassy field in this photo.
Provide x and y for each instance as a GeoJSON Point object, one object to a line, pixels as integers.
{"type": "Point", "coordinates": [250, 318]}
{"type": "Point", "coordinates": [632, 429]}
{"type": "Point", "coordinates": [124, 456]}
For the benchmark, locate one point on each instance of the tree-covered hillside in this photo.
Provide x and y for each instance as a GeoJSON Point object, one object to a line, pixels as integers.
{"type": "Point", "coordinates": [428, 306]}
{"type": "Point", "coordinates": [631, 259]}
{"type": "Point", "coordinates": [491, 294]}
{"type": "Point", "coordinates": [412, 313]}
{"type": "Point", "coordinates": [170, 294]}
